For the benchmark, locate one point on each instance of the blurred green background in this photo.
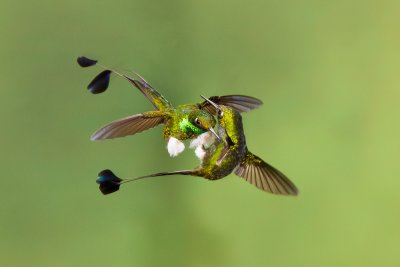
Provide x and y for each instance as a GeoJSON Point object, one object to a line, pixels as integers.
{"type": "Point", "coordinates": [328, 73]}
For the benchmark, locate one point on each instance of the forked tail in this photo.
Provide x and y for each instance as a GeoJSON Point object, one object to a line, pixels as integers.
{"type": "Point", "coordinates": [110, 183]}
{"type": "Point", "coordinates": [100, 83]}
{"type": "Point", "coordinates": [184, 172]}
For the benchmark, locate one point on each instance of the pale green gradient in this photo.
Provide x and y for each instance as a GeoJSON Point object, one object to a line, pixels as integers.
{"type": "Point", "coordinates": [327, 71]}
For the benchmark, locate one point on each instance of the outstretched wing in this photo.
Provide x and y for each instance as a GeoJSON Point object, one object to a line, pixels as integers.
{"type": "Point", "coordinates": [264, 176]}
{"type": "Point", "coordinates": [129, 126]}
{"type": "Point", "coordinates": [158, 100]}
{"type": "Point", "coordinates": [240, 103]}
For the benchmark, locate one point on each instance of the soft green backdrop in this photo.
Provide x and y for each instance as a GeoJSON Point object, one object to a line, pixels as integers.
{"type": "Point", "coordinates": [327, 71]}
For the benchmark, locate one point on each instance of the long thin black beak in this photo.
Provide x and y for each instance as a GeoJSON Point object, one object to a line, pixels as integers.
{"type": "Point", "coordinates": [214, 133]}
{"type": "Point", "coordinates": [212, 103]}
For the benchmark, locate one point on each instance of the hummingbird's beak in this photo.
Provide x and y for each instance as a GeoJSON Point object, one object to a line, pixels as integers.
{"type": "Point", "coordinates": [216, 135]}
{"type": "Point", "coordinates": [209, 101]}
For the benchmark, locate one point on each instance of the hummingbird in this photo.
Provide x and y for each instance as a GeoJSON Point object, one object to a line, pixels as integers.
{"type": "Point", "coordinates": [182, 122]}
{"type": "Point", "coordinates": [226, 155]}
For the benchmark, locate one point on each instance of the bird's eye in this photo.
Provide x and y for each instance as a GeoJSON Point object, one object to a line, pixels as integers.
{"type": "Point", "coordinates": [220, 113]}
{"type": "Point", "coordinates": [197, 121]}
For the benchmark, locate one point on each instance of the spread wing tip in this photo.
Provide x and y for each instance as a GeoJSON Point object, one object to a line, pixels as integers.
{"type": "Point", "coordinates": [265, 177]}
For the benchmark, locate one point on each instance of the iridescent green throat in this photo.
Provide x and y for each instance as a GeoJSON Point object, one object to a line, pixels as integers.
{"type": "Point", "coordinates": [186, 126]}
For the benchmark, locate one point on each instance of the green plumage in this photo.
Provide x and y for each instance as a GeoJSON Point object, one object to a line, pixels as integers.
{"type": "Point", "coordinates": [181, 122]}
{"type": "Point", "coordinates": [227, 154]}
{"type": "Point", "coordinates": [230, 154]}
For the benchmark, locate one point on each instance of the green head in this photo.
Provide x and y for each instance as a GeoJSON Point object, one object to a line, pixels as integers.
{"type": "Point", "coordinates": [224, 113]}
{"type": "Point", "coordinates": [198, 122]}
{"type": "Point", "coordinates": [228, 118]}
{"type": "Point", "coordinates": [202, 120]}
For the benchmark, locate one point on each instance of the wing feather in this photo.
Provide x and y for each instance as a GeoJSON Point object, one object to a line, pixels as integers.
{"type": "Point", "coordinates": [264, 176]}
{"type": "Point", "coordinates": [240, 103]}
{"type": "Point", "coordinates": [128, 126]}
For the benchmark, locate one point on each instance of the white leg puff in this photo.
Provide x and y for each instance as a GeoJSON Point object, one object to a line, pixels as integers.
{"type": "Point", "coordinates": [200, 153]}
{"type": "Point", "coordinates": [203, 140]}
{"type": "Point", "coordinates": [175, 147]}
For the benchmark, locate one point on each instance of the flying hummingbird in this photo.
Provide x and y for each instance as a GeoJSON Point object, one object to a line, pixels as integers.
{"type": "Point", "coordinates": [182, 122]}
{"type": "Point", "coordinates": [224, 156]}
